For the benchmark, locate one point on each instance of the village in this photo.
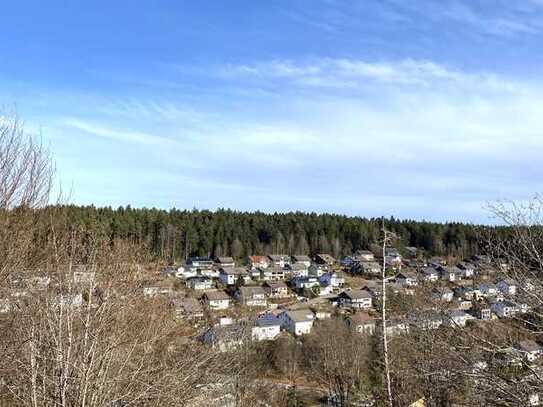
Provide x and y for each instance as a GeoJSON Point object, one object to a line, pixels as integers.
{"type": "Point", "coordinates": [275, 295]}
{"type": "Point", "coordinates": [224, 304]}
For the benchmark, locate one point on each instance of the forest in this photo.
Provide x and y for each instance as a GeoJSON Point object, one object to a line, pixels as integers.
{"type": "Point", "coordinates": [175, 234]}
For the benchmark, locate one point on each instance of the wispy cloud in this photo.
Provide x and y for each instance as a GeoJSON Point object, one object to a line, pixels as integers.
{"type": "Point", "coordinates": [344, 72]}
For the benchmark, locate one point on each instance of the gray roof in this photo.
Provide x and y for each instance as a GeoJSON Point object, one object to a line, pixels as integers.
{"type": "Point", "coordinates": [301, 315]}
{"type": "Point", "coordinates": [216, 295]}
{"type": "Point", "coordinates": [301, 257]}
{"type": "Point", "coordinates": [356, 294]}
{"type": "Point", "coordinates": [235, 270]}
{"type": "Point", "coordinates": [251, 290]}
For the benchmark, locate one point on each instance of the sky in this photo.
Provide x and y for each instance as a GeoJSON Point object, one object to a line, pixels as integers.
{"type": "Point", "coordinates": [420, 109]}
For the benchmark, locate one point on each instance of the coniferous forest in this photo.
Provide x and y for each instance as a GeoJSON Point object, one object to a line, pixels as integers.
{"type": "Point", "coordinates": [176, 234]}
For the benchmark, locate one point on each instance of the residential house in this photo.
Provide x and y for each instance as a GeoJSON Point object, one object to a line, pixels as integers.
{"type": "Point", "coordinates": [504, 309]}
{"type": "Point", "coordinates": [407, 279]}
{"type": "Point", "coordinates": [260, 262]}
{"type": "Point", "coordinates": [301, 259]}
{"type": "Point", "coordinates": [224, 262]}
{"type": "Point", "coordinates": [430, 274]}
{"type": "Point", "coordinates": [347, 261]}
{"type": "Point", "coordinates": [437, 262]}
{"type": "Point", "coordinates": [456, 318]}
{"type": "Point", "coordinates": [393, 258]}
{"type": "Point", "coordinates": [253, 296]}
{"type": "Point", "coordinates": [216, 300]}
{"type": "Point", "coordinates": [332, 279]}
{"type": "Point", "coordinates": [355, 299]}
{"type": "Point", "coordinates": [364, 255]}
{"type": "Point", "coordinates": [225, 337]}
{"type": "Point", "coordinates": [361, 322]}
{"type": "Point", "coordinates": [317, 270]}
{"type": "Point", "coordinates": [297, 322]}
{"type": "Point", "coordinates": [200, 262]}
{"type": "Point", "coordinates": [396, 327]}
{"type": "Point", "coordinates": [531, 350]}
{"type": "Point", "coordinates": [411, 251]}
{"type": "Point", "coordinates": [450, 274]}
{"type": "Point", "coordinates": [482, 311]}
{"type": "Point", "coordinates": [467, 269]}
{"type": "Point", "coordinates": [153, 291]}
{"type": "Point", "coordinates": [279, 260]}
{"type": "Point", "coordinates": [298, 270]}
{"type": "Point", "coordinates": [273, 274]}
{"type": "Point", "coordinates": [209, 272]}
{"type": "Point", "coordinates": [276, 289]}
{"type": "Point", "coordinates": [325, 259]}
{"type": "Point", "coordinates": [185, 272]}
{"type": "Point", "coordinates": [443, 294]}
{"type": "Point", "coordinates": [299, 283]}
{"type": "Point", "coordinates": [266, 328]}
{"type": "Point", "coordinates": [366, 267]}
{"type": "Point", "coordinates": [425, 320]}
{"type": "Point", "coordinates": [231, 275]}
{"type": "Point", "coordinates": [466, 293]}
{"type": "Point", "coordinates": [199, 283]}
{"type": "Point", "coordinates": [488, 289]}
{"type": "Point", "coordinates": [507, 286]}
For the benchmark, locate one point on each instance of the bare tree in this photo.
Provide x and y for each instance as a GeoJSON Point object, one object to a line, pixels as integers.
{"type": "Point", "coordinates": [388, 237]}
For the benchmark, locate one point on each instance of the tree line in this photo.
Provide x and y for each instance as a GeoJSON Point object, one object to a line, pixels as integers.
{"type": "Point", "coordinates": [177, 234]}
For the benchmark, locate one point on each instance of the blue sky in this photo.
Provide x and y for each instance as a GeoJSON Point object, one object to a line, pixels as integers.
{"type": "Point", "coordinates": [417, 109]}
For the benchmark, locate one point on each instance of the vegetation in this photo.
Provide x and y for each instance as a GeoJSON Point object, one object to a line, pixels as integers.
{"type": "Point", "coordinates": [177, 234]}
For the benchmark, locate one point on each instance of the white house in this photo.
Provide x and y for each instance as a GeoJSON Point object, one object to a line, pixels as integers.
{"type": "Point", "coordinates": [251, 296]}
{"type": "Point", "coordinates": [200, 262]}
{"type": "Point", "coordinates": [531, 350]}
{"type": "Point", "coordinates": [443, 294]}
{"type": "Point", "coordinates": [297, 322]}
{"type": "Point", "coordinates": [298, 270]}
{"type": "Point", "coordinates": [407, 279]}
{"type": "Point", "coordinates": [199, 283]}
{"type": "Point", "coordinates": [185, 272]}
{"type": "Point", "coordinates": [430, 274]}
{"type": "Point", "coordinates": [216, 300]}
{"type": "Point", "coordinates": [279, 260]}
{"type": "Point", "coordinates": [456, 318]}
{"type": "Point", "coordinates": [504, 309]}
{"type": "Point", "coordinates": [225, 262]}
{"type": "Point", "coordinates": [361, 323]}
{"type": "Point", "coordinates": [276, 289]}
{"type": "Point", "coordinates": [300, 283]}
{"type": "Point", "coordinates": [355, 299]}
{"type": "Point", "coordinates": [467, 269]}
{"type": "Point", "coordinates": [507, 286]}
{"type": "Point", "coordinates": [364, 255]}
{"type": "Point", "coordinates": [230, 275]}
{"type": "Point", "coordinates": [332, 279]}
{"type": "Point", "coordinates": [260, 262]}
{"type": "Point", "coordinates": [301, 259]}
{"type": "Point", "coordinates": [426, 320]}
{"type": "Point", "coordinates": [272, 274]}
{"type": "Point", "coordinates": [488, 289]}
{"type": "Point", "coordinates": [450, 274]}
{"type": "Point", "coordinates": [366, 267]}
{"type": "Point", "coordinates": [266, 328]}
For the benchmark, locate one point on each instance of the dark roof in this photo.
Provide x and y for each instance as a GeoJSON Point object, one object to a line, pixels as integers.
{"type": "Point", "coordinates": [225, 260]}
{"type": "Point", "coordinates": [356, 294]}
